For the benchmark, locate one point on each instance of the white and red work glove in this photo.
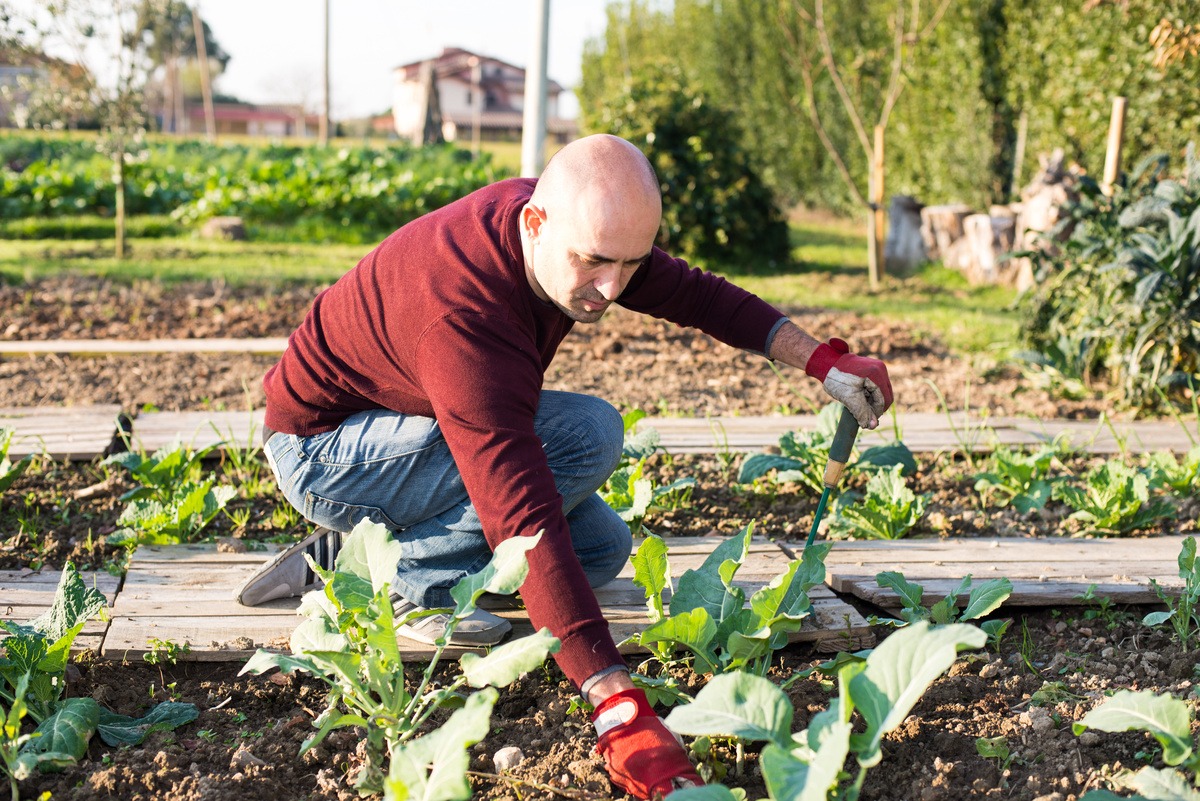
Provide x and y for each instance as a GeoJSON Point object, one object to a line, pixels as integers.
{"type": "Point", "coordinates": [857, 382]}
{"type": "Point", "coordinates": [641, 754]}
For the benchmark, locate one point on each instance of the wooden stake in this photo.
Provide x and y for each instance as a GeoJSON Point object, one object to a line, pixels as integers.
{"type": "Point", "coordinates": [210, 122]}
{"type": "Point", "coordinates": [1116, 134]}
{"type": "Point", "coordinates": [875, 231]}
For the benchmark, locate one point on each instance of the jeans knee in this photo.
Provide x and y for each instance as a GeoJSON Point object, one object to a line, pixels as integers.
{"type": "Point", "coordinates": [606, 564]}
{"type": "Point", "coordinates": [607, 433]}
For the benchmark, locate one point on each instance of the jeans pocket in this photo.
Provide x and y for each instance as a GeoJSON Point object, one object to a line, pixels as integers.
{"type": "Point", "coordinates": [342, 516]}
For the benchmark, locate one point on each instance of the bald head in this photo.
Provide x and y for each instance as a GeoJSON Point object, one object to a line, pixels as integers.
{"type": "Point", "coordinates": [598, 168]}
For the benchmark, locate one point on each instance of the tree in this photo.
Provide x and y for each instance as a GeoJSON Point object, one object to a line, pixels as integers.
{"type": "Point", "coordinates": [168, 35]}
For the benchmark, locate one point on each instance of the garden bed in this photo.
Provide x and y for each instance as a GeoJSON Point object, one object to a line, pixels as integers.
{"type": "Point", "coordinates": [1050, 669]}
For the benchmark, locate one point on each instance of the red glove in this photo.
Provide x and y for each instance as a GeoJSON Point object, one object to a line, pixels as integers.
{"type": "Point", "coordinates": [860, 384]}
{"type": "Point", "coordinates": [641, 755]}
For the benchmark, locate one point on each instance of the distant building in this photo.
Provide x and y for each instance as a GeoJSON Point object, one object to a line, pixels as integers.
{"type": "Point", "coordinates": [473, 87]}
{"type": "Point", "coordinates": [251, 120]}
{"type": "Point", "coordinates": [37, 90]}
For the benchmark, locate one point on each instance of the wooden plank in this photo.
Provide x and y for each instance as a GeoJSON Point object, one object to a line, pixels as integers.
{"type": "Point", "coordinates": [1025, 593]}
{"type": "Point", "coordinates": [102, 347]}
{"type": "Point", "coordinates": [20, 579]}
{"type": "Point", "coordinates": [154, 430]}
{"type": "Point", "coordinates": [25, 596]}
{"type": "Point", "coordinates": [200, 553]}
{"type": "Point", "coordinates": [69, 432]}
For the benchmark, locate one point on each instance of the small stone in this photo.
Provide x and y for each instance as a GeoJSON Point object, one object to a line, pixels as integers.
{"type": "Point", "coordinates": [991, 670]}
{"type": "Point", "coordinates": [281, 679]}
{"type": "Point", "coordinates": [242, 759]}
{"type": "Point", "coordinates": [231, 545]}
{"type": "Point", "coordinates": [231, 228]}
{"type": "Point", "coordinates": [507, 758]}
{"type": "Point", "coordinates": [1108, 652]}
{"type": "Point", "coordinates": [1089, 738]}
{"type": "Point", "coordinates": [327, 781]}
{"type": "Point", "coordinates": [1060, 627]}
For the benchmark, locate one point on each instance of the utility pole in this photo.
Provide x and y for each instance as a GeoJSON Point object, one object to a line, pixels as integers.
{"type": "Point", "coordinates": [323, 129]}
{"type": "Point", "coordinates": [533, 125]}
{"type": "Point", "coordinates": [478, 100]}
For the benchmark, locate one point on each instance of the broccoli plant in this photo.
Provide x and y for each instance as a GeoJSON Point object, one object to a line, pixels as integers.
{"type": "Point", "coordinates": [10, 472]}
{"type": "Point", "coordinates": [349, 642]}
{"type": "Point", "coordinates": [172, 501]}
{"type": "Point", "coordinates": [628, 491]}
{"type": "Point", "coordinates": [883, 689]}
{"type": "Point", "coordinates": [1183, 610]}
{"type": "Point", "coordinates": [1168, 720]}
{"type": "Point", "coordinates": [708, 612]}
{"type": "Point", "coordinates": [1115, 499]}
{"type": "Point", "coordinates": [886, 511]}
{"type": "Point", "coordinates": [1017, 478]}
{"type": "Point", "coordinates": [984, 599]}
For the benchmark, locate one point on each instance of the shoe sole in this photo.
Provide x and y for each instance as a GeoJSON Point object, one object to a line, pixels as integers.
{"type": "Point", "coordinates": [268, 565]}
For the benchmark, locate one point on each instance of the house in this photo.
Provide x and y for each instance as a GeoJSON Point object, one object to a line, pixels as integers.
{"type": "Point", "coordinates": [37, 90]}
{"type": "Point", "coordinates": [471, 88]}
{"type": "Point", "coordinates": [251, 120]}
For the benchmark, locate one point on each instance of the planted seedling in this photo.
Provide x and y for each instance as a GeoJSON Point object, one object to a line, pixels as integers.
{"type": "Point", "coordinates": [1018, 479]}
{"type": "Point", "coordinates": [349, 642]}
{"type": "Point", "coordinates": [628, 491]}
{"type": "Point", "coordinates": [995, 748]}
{"type": "Point", "coordinates": [886, 511]}
{"type": "Point", "coordinates": [883, 689]}
{"type": "Point", "coordinates": [1115, 499]}
{"type": "Point", "coordinates": [1168, 720]}
{"type": "Point", "coordinates": [708, 612]}
{"type": "Point", "coordinates": [10, 472]}
{"type": "Point", "coordinates": [802, 455]}
{"type": "Point", "coordinates": [1181, 476]}
{"type": "Point", "coordinates": [1102, 607]}
{"type": "Point", "coordinates": [1183, 610]}
{"type": "Point", "coordinates": [982, 600]}
{"type": "Point", "coordinates": [172, 501]}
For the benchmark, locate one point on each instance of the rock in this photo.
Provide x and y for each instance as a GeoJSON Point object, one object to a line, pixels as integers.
{"type": "Point", "coordinates": [507, 758]}
{"type": "Point", "coordinates": [327, 781]}
{"type": "Point", "coordinates": [231, 545]}
{"type": "Point", "coordinates": [231, 228]}
{"type": "Point", "coordinates": [242, 759]}
{"type": "Point", "coordinates": [1089, 738]}
{"type": "Point", "coordinates": [992, 669]}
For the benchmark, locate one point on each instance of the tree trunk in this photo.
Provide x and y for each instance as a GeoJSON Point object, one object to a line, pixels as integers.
{"type": "Point", "coordinates": [941, 226]}
{"type": "Point", "coordinates": [119, 172]}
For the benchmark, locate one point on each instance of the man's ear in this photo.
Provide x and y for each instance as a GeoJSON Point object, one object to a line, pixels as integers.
{"type": "Point", "coordinates": [532, 218]}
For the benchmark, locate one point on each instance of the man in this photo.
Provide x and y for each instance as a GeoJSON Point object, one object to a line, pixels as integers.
{"type": "Point", "coordinates": [412, 396]}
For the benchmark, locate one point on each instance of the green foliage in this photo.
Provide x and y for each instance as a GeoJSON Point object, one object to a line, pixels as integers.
{"type": "Point", "coordinates": [10, 472]}
{"type": "Point", "coordinates": [1114, 499]}
{"type": "Point", "coordinates": [628, 491]}
{"type": "Point", "coordinates": [886, 511]}
{"type": "Point", "coordinates": [983, 599]}
{"type": "Point", "coordinates": [11, 739]}
{"type": "Point", "coordinates": [715, 206]}
{"type": "Point", "coordinates": [995, 748]}
{"type": "Point", "coordinates": [350, 194]}
{"type": "Point", "coordinates": [1168, 720]}
{"type": "Point", "coordinates": [348, 641]}
{"type": "Point", "coordinates": [1183, 609]}
{"type": "Point", "coordinates": [1017, 478]}
{"type": "Point", "coordinates": [708, 612]}
{"type": "Point", "coordinates": [803, 454]}
{"type": "Point", "coordinates": [1181, 476]}
{"type": "Point", "coordinates": [172, 501]}
{"type": "Point", "coordinates": [1118, 300]}
{"type": "Point", "coordinates": [883, 689]}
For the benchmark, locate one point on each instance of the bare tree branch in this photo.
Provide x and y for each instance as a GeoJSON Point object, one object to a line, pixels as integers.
{"type": "Point", "coordinates": [895, 87]}
{"type": "Point", "coordinates": [933, 21]}
{"type": "Point", "coordinates": [836, 76]}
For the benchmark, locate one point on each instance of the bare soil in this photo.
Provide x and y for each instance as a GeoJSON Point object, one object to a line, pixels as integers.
{"type": "Point", "coordinates": [61, 511]}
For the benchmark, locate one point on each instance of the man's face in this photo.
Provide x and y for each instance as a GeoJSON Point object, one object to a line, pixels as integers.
{"type": "Point", "coordinates": [583, 257]}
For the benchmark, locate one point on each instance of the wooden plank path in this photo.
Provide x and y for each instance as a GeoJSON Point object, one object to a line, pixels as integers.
{"type": "Point", "coordinates": [84, 432]}
{"type": "Point", "coordinates": [1046, 571]}
{"type": "Point", "coordinates": [24, 595]}
{"type": "Point", "coordinates": [184, 593]}
{"type": "Point", "coordinates": [70, 432]}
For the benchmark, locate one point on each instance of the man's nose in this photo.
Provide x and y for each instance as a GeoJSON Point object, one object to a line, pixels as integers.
{"type": "Point", "coordinates": [609, 284]}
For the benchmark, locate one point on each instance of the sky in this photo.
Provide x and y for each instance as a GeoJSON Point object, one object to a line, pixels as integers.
{"type": "Point", "coordinates": [276, 45]}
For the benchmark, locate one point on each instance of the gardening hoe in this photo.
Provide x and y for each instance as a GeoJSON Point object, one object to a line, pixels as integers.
{"type": "Point", "coordinates": [839, 454]}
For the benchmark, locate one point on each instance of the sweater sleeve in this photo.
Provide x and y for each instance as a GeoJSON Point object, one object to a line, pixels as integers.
{"type": "Point", "coordinates": [484, 381]}
{"type": "Point", "coordinates": [671, 290]}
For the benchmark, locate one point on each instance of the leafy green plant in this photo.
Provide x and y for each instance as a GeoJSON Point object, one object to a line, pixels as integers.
{"type": "Point", "coordinates": [803, 454]}
{"type": "Point", "coordinates": [708, 612]}
{"type": "Point", "coordinates": [887, 510]}
{"type": "Point", "coordinates": [883, 689]}
{"type": "Point", "coordinates": [628, 491]}
{"type": "Point", "coordinates": [1114, 499]}
{"type": "Point", "coordinates": [10, 472]}
{"type": "Point", "coordinates": [982, 600]}
{"type": "Point", "coordinates": [173, 500]}
{"type": "Point", "coordinates": [1017, 478]}
{"type": "Point", "coordinates": [1181, 476]}
{"type": "Point", "coordinates": [349, 642]}
{"type": "Point", "coordinates": [11, 739]}
{"type": "Point", "coordinates": [995, 748]}
{"type": "Point", "coordinates": [1168, 720]}
{"type": "Point", "coordinates": [1183, 610]}
{"type": "Point", "coordinates": [33, 669]}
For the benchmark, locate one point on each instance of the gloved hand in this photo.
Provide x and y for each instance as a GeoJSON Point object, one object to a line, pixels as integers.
{"type": "Point", "coordinates": [857, 382]}
{"type": "Point", "coordinates": [641, 755]}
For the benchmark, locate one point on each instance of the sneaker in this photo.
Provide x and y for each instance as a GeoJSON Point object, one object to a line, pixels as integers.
{"type": "Point", "coordinates": [478, 629]}
{"type": "Point", "coordinates": [287, 574]}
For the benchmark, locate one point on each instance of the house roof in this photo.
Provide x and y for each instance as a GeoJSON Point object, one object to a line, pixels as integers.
{"type": "Point", "coordinates": [455, 63]}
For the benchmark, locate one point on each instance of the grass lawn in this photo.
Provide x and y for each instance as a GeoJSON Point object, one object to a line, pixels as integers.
{"type": "Point", "coordinates": [830, 271]}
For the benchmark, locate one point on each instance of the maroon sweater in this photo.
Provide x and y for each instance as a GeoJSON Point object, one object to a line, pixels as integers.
{"type": "Point", "coordinates": [440, 321]}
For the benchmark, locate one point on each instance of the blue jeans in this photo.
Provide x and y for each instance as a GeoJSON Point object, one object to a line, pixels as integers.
{"type": "Point", "coordinates": [396, 470]}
